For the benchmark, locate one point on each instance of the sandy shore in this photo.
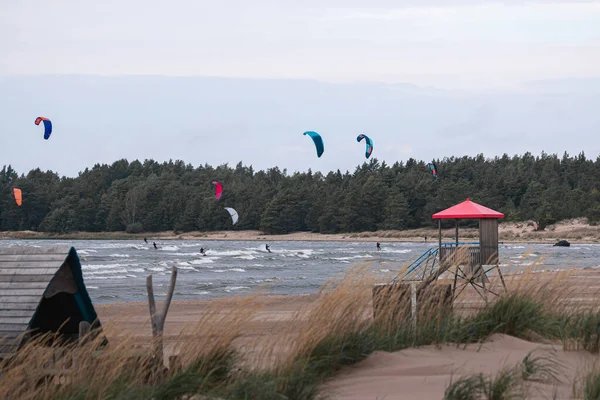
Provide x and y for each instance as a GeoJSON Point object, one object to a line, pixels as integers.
{"type": "Point", "coordinates": [576, 231]}
{"type": "Point", "coordinates": [414, 373]}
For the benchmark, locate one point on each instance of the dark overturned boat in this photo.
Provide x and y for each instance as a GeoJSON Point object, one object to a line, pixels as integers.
{"type": "Point", "coordinates": [562, 243]}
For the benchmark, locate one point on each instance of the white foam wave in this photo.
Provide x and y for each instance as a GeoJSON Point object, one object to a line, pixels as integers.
{"type": "Point", "coordinates": [246, 257]}
{"type": "Point", "coordinates": [231, 253]}
{"type": "Point", "coordinates": [204, 260]}
{"type": "Point", "coordinates": [93, 278]}
{"type": "Point", "coordinates": [104, 272]}
{"type": "Point", "coordinates": [237, 269]}
{"type": "Point", "coordinates": [169, 248]}
{"type": "Point", "coordinates": [119, 255]}
{"type": "Point", "coordinates": [234, 288]}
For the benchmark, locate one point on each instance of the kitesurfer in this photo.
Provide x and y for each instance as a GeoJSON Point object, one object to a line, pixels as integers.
{"type": "Point", "coordinates": [145, 240]}
{"type": "Point", "coordinates": [267, 247]}
{"type": "Point", "coordinates": [155, 246]}
{"type": "Point", "coordinates": [378, 247]}
{"type": "Point", "coordinates": [202, 251]}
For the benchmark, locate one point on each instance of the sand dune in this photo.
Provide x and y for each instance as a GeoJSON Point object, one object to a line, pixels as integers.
{"type": "Point", "coordinates": [424, 373]}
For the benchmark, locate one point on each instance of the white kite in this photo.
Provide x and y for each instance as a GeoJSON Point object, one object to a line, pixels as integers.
{"type": "Point", "coordinates": [233, 213]}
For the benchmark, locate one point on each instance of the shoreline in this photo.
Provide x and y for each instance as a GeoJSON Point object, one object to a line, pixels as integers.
{"type": "Point", "coordinates": [575, 231]}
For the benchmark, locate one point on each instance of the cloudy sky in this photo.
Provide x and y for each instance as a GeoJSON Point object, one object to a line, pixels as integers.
{"type": "Point", "coordinates": [480, 48]}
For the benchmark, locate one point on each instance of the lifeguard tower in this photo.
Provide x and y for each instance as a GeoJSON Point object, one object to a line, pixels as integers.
{"type": "Point", "coordinates": [468, 262]}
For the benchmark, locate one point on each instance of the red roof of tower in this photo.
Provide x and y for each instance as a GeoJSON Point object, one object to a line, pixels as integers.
{"type": "Point", "coordinates": [467, 210]}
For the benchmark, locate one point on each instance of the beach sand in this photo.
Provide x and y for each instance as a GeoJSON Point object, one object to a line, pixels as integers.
{"type": "Point", "coordinates": [414, 373]}
{"type": "Point", "coordinates": [575, 230]}
{"type": "Point", "coordinates": [424, 373]}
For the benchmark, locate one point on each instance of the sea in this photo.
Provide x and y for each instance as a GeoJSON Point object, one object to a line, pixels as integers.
{"type": "Point", "coordinates": [116, 271]}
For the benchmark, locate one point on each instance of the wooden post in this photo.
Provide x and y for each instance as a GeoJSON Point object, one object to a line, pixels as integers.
{"type": "Point", "coordinates": [158, 320]}
{"type": "Point", "coordinates": [84, 329]}
{"type": "Point", "coordinates": [440, 239]}
{"type": "Point", "coordinates": [413, 303]}
{"type": "Point", "coordinates": [456, 222]}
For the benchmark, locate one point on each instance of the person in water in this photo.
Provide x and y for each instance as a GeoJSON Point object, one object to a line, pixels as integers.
{"type": "Point", "coordinates": [155, 246]}
{"type": "Point", "coordinates": [378, 247]}
{"type": "Point", "coordinates": [145, 240]}
{"type": "Point", "coordinates": [202, 251]}
{"type": "Point", "coordinates": [267, 247]}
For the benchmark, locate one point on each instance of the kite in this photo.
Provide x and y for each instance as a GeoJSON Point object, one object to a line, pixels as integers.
{"type": "Point", "coordinates": [219, 189]}
{"type": "Point", "coordinates": [18, 196]}
{"type": "Point", "coordinates": [317, 140]}
{"type": "Point", "coordinates": [368, 142]}
{"type": "Point", "coordinates": [433, 169]}
{"type": "Point", "coordinates": [233, 213]}
{"type": "Point", "coordinates": [47, 126]}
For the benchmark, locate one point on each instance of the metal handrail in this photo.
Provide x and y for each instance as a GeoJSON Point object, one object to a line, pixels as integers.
{"type": "Point", "coordinates": [417, 263]}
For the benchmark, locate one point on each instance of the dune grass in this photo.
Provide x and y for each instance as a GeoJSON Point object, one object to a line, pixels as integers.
{"type": "Point", "coordinates": [338, 330]}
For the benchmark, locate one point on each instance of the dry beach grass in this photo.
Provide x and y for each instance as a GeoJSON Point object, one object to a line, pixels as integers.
{"type": "Point", "coordinates": [303, 347]}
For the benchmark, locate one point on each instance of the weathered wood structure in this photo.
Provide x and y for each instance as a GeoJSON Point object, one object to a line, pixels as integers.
{"type": "Point", "coordinates": [41, 291]}
{"type": "Point", "coordinates": [472, 261]}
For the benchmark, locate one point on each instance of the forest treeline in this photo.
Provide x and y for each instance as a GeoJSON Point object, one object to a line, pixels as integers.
{"type": "Point", "coordinates": [150, 196]}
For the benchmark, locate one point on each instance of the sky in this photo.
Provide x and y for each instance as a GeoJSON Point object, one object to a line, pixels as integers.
{"type": "Point", "coordinates": [513, 76]}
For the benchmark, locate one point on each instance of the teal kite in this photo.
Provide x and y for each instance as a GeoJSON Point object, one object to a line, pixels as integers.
{"type": "Point", "coordinates": [318, 142]}
{"type": "Point", "coordinates": [368, 142]}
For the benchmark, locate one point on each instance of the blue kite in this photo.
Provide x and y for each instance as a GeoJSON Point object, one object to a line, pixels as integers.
{"type": "Point", "coordinates": [318, 142]}
{"type": "Point", "coordinates": [368, 142]}
{"type": "Point", "coordinates": [47, 126]}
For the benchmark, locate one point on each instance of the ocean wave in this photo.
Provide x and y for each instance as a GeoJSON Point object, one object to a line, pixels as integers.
{"type": "Point", "coordinates": [203, 260]}
{"type": "Point", "coordinates": [93, 278]}
{"type": "Point", "coordinates": [235, 288]}
{"type": "Point", "coordinates": [104, 272]}
{"type": "Point", "coordinates": [93, 267]}
{"type": "Point", "coordinates": [237, 270]}
{"type": "Point", "coordinates": [231, 253]}
{"type": "Point", "coordinates": [403, 251]}
{"type": "Point", "coordinates": [119, 255]}
{"type": "Point", "coordinates": [169, 248]}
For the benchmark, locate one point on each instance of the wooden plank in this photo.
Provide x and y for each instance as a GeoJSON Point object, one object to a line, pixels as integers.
{"type": "Point", "coordinates": [43, 284]}
{"type": "Point", "coordinates": [29, 265]}
{"type": "Point", "coordinates": [26, 305]}
{"type": "Point", "coordinates": [27, 278]}
{"type": "Point", "coordinates": [17, 313]}
{"type": "Point", "coordinates": [60, 258]}
{"type": "Point", "coordinates": [28, 271]}
{"type": "Point", "coordinates": [14, 321]}
{"type": "Point", "coordinates": [35, 250]}
{"type": "Point", "coordinates": [17, 291]}
{"type": "Point", "coordinates": [18, 299]}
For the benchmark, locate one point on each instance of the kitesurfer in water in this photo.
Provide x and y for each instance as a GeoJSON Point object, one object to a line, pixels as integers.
{"type": "Point", "coordinates": [378, 247]}
{"type": "Point", "coordinates": [155, 246]}
{"type": "Point", "coordinates": [267, 247]}
{"type": "Point", "coordinates": [145, 240]}
{"type": "Point", "coordinates": [202, 251]}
